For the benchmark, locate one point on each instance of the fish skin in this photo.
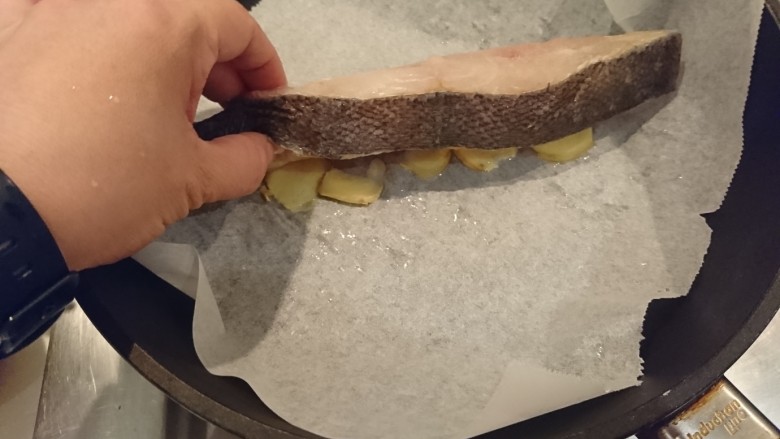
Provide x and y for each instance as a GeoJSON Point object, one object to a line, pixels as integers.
{"type": "Point", "coordinates": [344, 127]}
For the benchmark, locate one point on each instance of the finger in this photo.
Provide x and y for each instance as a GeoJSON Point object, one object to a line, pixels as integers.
{"type": "Point", "coordinates": [234, 165]}
{"type": "Point", "coordinates": [223, 84]}
{"type": "Point", "coordinates": [12, 12]}
{"type": "Point", "coordinates": [242, 44]}
{"type": "Point", "coordinates": [260, 76]}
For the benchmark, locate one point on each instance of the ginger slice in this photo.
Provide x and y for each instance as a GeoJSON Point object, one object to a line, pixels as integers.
{"type": "Point", "coordinates": [566, 148]}
{"type": "Point", "coordinates": [294, 185]}
{"type": "Point", "coordinates": [426, 164]}
{"type": "Point", "coordinates": [295, 181]}
{"type": "Point", "coordinates": [484, 159]}
{"type": "Point", "coordinates": [354, 189]}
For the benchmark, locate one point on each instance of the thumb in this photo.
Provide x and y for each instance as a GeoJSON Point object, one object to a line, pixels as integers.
{"type": "Point", "coordinates": [234, 165]}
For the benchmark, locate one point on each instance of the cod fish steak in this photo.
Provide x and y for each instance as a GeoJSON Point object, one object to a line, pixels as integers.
{"type": "Point", "coordinates": [509, 96]}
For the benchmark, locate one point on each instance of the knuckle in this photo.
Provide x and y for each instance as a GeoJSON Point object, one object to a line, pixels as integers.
{"type": "Point", "coordinates": [201, 188]}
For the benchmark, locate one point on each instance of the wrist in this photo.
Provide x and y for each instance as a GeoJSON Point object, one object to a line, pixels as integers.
{"type": "Point", "coordinates": [35, 178]}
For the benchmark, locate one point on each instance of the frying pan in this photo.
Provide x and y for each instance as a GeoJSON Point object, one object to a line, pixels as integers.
{"type": "Point", "coordinates": [689, 341]}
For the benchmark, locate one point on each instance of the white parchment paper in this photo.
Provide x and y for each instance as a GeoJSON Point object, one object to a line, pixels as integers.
{"type": "Point", "coordinates": [456, 306]}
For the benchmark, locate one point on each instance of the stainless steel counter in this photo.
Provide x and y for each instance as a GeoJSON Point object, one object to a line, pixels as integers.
{"type": "Point", "coordinates": [89, 392]}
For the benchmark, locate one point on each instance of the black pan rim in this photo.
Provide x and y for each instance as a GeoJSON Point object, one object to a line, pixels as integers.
{"type": "Point", "coordinates": [201, 405]}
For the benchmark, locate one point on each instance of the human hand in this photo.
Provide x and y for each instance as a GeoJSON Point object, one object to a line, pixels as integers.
{"type": "Point", "coordinates": [98, 99]}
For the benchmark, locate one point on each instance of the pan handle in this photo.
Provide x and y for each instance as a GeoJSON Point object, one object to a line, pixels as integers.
{"type": "Point", "coordinates": [722, 412]}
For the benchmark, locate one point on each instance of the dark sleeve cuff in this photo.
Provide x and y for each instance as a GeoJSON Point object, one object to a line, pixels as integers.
{"type": "Point", "coordinates": [35, 285]}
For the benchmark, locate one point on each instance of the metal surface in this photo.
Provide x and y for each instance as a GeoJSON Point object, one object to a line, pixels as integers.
{"type": "Point", "coordinates": [90, 392]}
{"type": "Point", "coordinates": [723, 412]}
{"type": "Point", "coordinates": [757, 373]}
